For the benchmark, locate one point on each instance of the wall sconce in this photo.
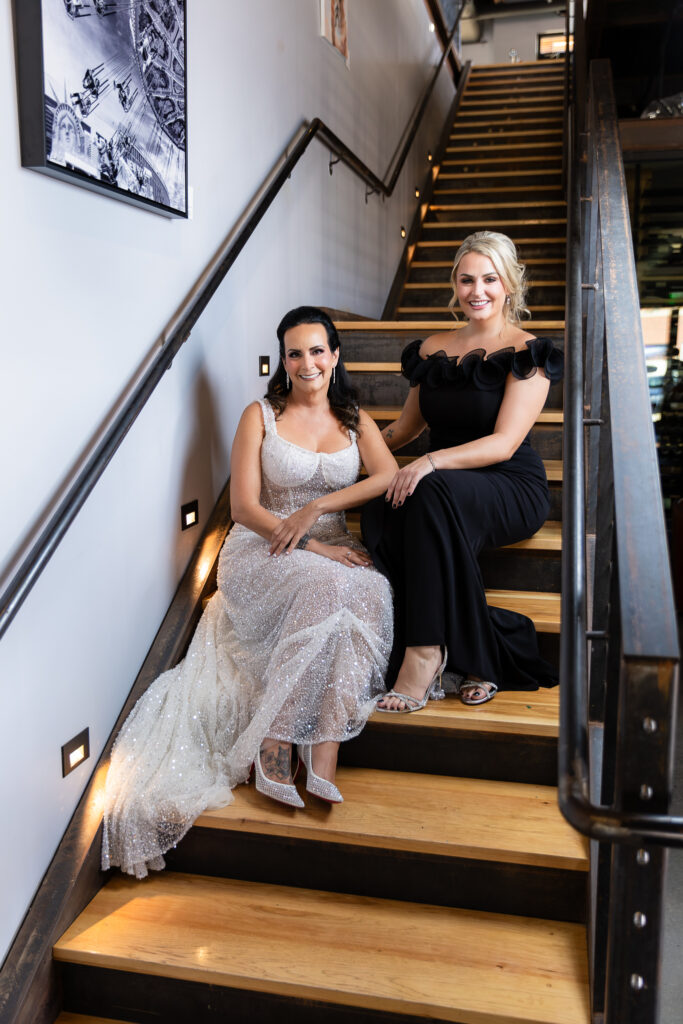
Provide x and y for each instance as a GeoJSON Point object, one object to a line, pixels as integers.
{"type": "Point", "coordinates": [429, 156]}
{"type": "Point", "coordinates": [403, 232]}
{"type": "Point", "coordinates": [189, 515]}
{"type": "Point", "coordinates": [75, 752]}
{"type": "Point", "coordinates": [264, 366]}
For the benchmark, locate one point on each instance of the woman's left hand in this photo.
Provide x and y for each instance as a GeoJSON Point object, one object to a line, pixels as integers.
{"type": "Point", "coordinates": [289, 531]}
{"type": "Point", "coordinates": [407, 479]}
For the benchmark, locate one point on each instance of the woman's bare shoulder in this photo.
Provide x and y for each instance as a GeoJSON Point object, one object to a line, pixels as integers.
{"type": "Point", "coordinates": [519, 337]}
{"type": "Point", "coordinates": [437, 343]}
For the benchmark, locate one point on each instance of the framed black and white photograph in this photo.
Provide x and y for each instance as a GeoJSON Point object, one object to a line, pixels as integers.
{"type": "Point", "coordinates": [102, 96]}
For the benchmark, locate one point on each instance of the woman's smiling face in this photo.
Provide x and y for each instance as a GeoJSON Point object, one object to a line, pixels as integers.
{"type": "Point", "coordinates": [308, 358]}
{"type": "Point", "coordinates": [480, 290]}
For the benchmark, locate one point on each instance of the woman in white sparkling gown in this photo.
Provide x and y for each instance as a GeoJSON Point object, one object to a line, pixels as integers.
{"type": "Point", "coordinates": [293, 646]}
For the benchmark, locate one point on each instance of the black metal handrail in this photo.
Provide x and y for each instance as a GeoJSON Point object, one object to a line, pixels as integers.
{"type": "Point", "coordinates": [646, 605]}
{"type": "Point", "coordinates": [178, 331]}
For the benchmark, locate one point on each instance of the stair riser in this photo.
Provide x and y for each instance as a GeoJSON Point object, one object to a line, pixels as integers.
{"type": "Point", "coordinates": [503, 211]}
{"type": "Point", "coordinates": [490, 886]}
{"type": "Point", "coordinates": [496, 177]}
{"type": "Point", "coordinates": [474, 164]}
{"type": "Point", "coordinates": [392, 389]}
{"type": "Point", "coordinates": [440, 230]}
{"type": "Point", "coordinates": [360, 346]}
{"type": "Point", "coordinates": [477, 755]}
{"type": "Point", "coordinates": [521, 569]}
{"type": "Point", "coordinates": [526, 250]}
{"type": "Point", "coordinates": [545, 439]}
{"type": "Point", "coordinates": [514, 140]}
{"type": "Point", "coordinates": [440, 297]}
{"type": "Point", "coordinates": [538, 292]}
{"type": "Point", "coordinates": [475, 195]}
{"type": "Point", "coordinates": [144, 997]}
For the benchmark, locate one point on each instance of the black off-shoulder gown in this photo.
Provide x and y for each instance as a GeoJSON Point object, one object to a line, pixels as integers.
{"type": "Point", "coordinates": [428, 547]}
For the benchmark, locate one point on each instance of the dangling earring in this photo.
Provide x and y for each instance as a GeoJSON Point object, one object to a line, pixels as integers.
{"type": "Point", "coordinates": [289, 383]}
{"type": "Point", "coordinates": [334, 374]}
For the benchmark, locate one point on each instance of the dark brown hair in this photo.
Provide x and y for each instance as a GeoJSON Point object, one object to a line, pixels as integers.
{"type": "Point", "coordinates": [342, 395]}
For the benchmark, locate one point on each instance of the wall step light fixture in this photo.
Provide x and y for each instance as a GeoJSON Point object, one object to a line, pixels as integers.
{"type": "Point", "coordinates": [189, 514]}
{"type": "Point", "coordinates": [75, 752]}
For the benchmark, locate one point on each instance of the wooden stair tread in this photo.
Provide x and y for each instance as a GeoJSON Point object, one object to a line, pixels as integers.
{"type": "Point", "coordinates": [503, 135]}
{"type": "Point", "coordinates": [500, 159]}
{"type": "Point", "coordinates": [85, 1018]}
{"type": "Point", "coordinates": [465, 966]}
{"type": "Point", "coordinates": [497, 206]}
{"type": "Point", "coordinates": [553, 469]}
{"type": "Point", "coordinates": [503, 821]}
{"type": "Point", "coordinates": [504, 145]}
{"type": "Point", "coordinates": [543, 609]}
{"type": "Point", "coordinates": [516, 712]}
{"type": "Point", "coordinates": [530, 65]}
{"type": "Point", "coordinates": [548, 538]}
{"type": "Point", "coordinates": [392, 412]}
{"type": "Point", "coordinates": [535, 172]}
{"type": "Point", "coordinates": [491, 106]}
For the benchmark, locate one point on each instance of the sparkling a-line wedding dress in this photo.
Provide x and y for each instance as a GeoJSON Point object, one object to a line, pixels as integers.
{"type": "Point", "coordinates": [294, 647]}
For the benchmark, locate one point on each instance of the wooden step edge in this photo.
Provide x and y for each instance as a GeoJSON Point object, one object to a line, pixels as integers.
{"type": "Point", "coordinates": [380, 812]}
{"type": "Point", "coordinates": [533, 172]}
{"type": "Point", "coordinates": [380, 955]}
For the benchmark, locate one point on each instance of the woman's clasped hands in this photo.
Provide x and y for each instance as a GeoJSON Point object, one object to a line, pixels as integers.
{"type": "Point", "coordinates": [289, 532]}
{"type": "Point", "coordinates": [407, 479]}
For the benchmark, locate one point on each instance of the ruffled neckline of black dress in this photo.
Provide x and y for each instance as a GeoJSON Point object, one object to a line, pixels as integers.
{"type": "Point", "coordinates": [486, 372]}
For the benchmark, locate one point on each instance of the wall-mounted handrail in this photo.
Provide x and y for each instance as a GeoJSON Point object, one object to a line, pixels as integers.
{"type": "Point", "coordinates": [647, 609]}
{"type": "Point", "coordinates": [178, 331]}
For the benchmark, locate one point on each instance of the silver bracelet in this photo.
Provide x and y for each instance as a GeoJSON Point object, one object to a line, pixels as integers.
{"type": "Point", "coordinates": [303, 541]}
{"type": "Point", "coordinates": [432, 462]}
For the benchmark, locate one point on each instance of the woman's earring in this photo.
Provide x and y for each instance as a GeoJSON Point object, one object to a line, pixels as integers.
{"type": "Point", "coordinates": [334, 374]}
{"type": "Point", "coordinates": [289, 383]}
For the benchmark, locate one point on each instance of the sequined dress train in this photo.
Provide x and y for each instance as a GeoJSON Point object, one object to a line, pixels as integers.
{"type": "Point", "coordinates": [294, 647]}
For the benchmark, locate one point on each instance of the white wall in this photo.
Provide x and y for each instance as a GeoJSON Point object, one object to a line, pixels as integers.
{"type": "Point", "coordinates": [504, 34]}
{"type": "Point", "coordinates": [87, 285]}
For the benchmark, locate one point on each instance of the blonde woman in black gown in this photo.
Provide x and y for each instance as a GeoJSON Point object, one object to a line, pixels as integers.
{"type": "Point", "coordinates": [479, 389]}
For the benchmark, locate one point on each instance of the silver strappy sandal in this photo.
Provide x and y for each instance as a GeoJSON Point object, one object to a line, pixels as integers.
{"type": "Point", "coordinates": [433, 692]}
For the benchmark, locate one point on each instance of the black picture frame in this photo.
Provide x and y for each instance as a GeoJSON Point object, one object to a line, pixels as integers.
{"type": "Point", "coordinates": [102, 96]}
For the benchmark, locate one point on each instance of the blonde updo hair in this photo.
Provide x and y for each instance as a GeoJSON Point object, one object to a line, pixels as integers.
{"type": "Point", "coordinates": [502, 253]}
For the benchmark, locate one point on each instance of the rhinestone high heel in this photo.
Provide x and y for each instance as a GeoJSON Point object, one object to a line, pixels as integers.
{"type": "Point", "coordinates": [283, 792]}
{"type": "Point", "coordinates": [433, 692]}
{"type": "Point", "coordinates": [322, 788]}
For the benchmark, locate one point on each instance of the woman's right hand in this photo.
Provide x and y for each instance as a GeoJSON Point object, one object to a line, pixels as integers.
{"type": "Point", "coordinates": [341, 553]}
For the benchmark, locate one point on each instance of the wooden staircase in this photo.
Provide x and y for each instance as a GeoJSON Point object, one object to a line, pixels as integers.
{"type": "Point", "coordinates": [447, 886]}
